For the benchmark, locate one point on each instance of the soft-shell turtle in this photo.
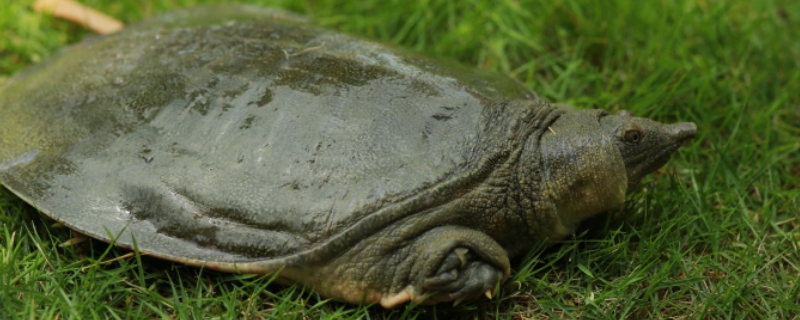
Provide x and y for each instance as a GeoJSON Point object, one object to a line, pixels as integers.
{"type": "Point", "coordinates": [246, 140]}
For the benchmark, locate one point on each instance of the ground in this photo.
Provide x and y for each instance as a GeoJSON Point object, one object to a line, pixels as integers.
{"type": "Point", "coordinates": [714, 234]}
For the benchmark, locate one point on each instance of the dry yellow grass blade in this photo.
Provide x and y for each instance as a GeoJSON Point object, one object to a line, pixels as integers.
{"type": "Point", "coordinates": [79, 14]}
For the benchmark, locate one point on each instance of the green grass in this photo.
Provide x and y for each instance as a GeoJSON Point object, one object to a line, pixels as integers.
{"type": "Point", "coordinates": [713, 235]}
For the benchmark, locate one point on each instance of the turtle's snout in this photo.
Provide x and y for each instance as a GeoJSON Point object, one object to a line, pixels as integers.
{"type": "Point", "coordinates": [683, 131]}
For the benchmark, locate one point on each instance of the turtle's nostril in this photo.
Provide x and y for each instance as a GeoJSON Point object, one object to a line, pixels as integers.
{"type": "Point", "coordinates": [683, 131]}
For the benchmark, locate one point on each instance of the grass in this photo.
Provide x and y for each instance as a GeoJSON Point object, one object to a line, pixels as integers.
{"type": "Point", "coordinates": [714, 235]}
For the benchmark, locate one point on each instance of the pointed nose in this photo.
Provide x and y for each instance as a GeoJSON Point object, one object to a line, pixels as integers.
{"type": "Point", "coordinates": [683, 131]}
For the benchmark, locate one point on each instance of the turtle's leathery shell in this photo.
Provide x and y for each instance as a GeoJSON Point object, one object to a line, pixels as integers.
{"type": "Point", "coordinates": [245, 136]}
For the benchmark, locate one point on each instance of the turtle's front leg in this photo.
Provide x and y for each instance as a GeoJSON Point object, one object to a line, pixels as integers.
{"type": "Point", "coordinates": [449, 263]}
{"type": "Point", "coordinates": [462, 275]}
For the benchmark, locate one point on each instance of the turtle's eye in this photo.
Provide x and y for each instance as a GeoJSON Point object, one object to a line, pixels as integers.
{"type": "Point", "coordinates": [633, 136]}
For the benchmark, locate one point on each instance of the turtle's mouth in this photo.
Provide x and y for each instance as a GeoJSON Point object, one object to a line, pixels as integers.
{"type": "Point", "coordinates": [659, 155]}
{"type": "Point", "coordinates": [647, 162]}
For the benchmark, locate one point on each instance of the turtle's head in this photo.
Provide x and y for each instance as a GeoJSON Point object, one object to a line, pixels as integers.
{"type": "Point", "coordinates": [588, 160]}
{"type": "Point", "coordinates": [645, 145]}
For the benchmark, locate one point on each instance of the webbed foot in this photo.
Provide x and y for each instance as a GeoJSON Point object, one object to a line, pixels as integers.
{"type": "Point", "coordinates": [463, 276]}
{"type": "Point", "coordinates": [447, 263]}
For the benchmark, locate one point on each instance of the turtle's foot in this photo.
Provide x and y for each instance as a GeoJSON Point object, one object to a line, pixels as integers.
{"type": "Point", "coordinates": [447, 263]}
{"type": "Point", "coordinates": [462, 276]}
{"type": "Point", "coordinates": [77, 238]}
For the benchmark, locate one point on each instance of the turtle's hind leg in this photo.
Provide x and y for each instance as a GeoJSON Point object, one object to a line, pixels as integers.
{"type": "Point", "coordinates": [77, 238]}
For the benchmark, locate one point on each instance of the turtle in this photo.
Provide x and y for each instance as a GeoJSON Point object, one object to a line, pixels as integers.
{"type": "Point", "coordinates": [250, 140]}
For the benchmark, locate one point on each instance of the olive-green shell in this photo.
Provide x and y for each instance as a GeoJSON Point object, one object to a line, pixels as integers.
{"type": "Point", "coordinates": [238, 133]}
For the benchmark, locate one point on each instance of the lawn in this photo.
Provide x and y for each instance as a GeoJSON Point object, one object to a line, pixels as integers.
{"type": "Point", "coordinates": [712, 235]}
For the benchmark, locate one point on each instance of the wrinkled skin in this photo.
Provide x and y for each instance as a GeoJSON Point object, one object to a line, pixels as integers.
{"type": "Point", "coordinates": [242, 139]}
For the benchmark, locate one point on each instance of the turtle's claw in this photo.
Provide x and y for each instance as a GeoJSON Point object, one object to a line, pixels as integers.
{"type": "Point", "coordinates": [463, 255]}
{"type": "Point", "coordinates": [73, 241]}
{"type": "Point", "coordinates": [463, 276]}
{"type": "Point", "coordinates": [57, 225]}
